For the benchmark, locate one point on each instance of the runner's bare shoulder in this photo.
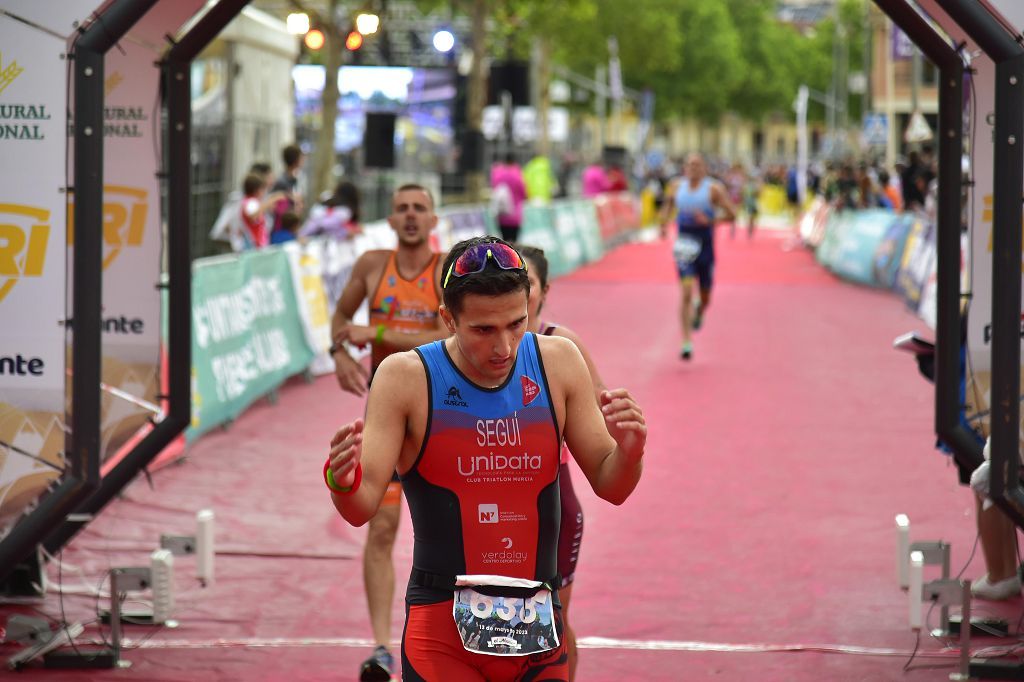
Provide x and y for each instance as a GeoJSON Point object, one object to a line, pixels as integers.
{"type": "Point", "coordinates": [400, 376]}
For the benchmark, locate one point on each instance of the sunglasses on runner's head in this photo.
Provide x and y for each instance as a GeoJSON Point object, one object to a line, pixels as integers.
{"type": "Point", "coordinates": [474, 260]}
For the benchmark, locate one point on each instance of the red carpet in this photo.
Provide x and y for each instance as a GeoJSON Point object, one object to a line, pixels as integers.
{"type": "Point", "coordinates": [777, 460]}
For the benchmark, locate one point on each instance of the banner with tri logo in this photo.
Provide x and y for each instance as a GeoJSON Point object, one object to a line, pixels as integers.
{"type": "Point", "coordinates": [132, 223]}
{"type": "Point", "coordinates": [34, 81]}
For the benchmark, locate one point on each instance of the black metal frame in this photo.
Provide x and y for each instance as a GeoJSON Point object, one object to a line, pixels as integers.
{"type": "Point", "coordinates": [949, 323]}
{"type": "Point", "coordinates": [83, 455]}
{"type": "Point", "coordinates": [993, 38]}
{"type": "Point", "coordinates": [177, 91]}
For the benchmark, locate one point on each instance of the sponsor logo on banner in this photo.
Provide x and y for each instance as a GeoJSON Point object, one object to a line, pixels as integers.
{"type": "Point", "coordinates": [8, 73]}
{"type": "Point", "coordinates": [24, 233]}
{"type": "Point", "coordinates": [19, 121]}
{"type": "Point", "coordinates": [124, 221]}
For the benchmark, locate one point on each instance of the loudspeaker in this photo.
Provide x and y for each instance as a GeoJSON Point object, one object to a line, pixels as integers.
{"type": "Point", "coordinates": [471, 153]}
{"type": "Point", "coordinates": [615, 156]}
{"type": "Point", "coordinates": [513, 77]}
{"type": "Point", "coordinates": [379, 140]}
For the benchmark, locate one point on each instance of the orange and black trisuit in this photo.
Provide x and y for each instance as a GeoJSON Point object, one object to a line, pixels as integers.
{"type": "Point", "coordinates": [483, 495]}
{"type": "Point", "coordinates": [407, 306]}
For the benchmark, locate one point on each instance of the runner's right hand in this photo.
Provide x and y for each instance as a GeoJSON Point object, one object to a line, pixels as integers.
{"type": "Point", "coordinates": [346, 451]}
{"type": "Point", "coordinates": [352, 375]}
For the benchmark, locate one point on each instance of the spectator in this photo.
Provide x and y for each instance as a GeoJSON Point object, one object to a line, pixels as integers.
{"type": "Point", "coordinates": [539, 179]}
{"type": "Point", "coordinates": [595, 181]}
{"type": "Point", "coordinates": [289, 228]}
{"type": "Point", "coordinates": [616, 179]}
{"type": "Point", "coordinates": [337, 217]}
{"type": "Point", "coordinates": [254, 205]}
{"type": "Point", "coordinates": [508, 194]}
{"type": "Point", "coordinates": [288, 184]}
{"type": "Point", "coordinates": [889, 191]}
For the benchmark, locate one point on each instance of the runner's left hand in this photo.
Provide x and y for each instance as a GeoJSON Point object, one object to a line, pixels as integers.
{"type": "Point", "coordinates": [361, 336]}
{"type": "Point", "coordinates": [346, 452]}
{"type": "Point", "coordinates": [625, 421]}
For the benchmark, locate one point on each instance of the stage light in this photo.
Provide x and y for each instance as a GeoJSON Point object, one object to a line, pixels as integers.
{"type": "Point", "coordinates": [444, 41]}
{"type": "Point", "coordinates": [367, 24]}
{"type": "Point", "coordinates": [314, 39]}
{"type": "Point", "coordinates": [354, 41]}
{"type": "Point", "coordinates": [298, 23]}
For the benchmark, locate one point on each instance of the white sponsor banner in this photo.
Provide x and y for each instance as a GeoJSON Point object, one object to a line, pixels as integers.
{"type": "Point", "coordinates": [306, 262]}
{"type": "Point", "coordinates": [132, 229]}
{"type": "Point", "coordinates": [33, 143]}
{"type": "Point", "coordinates": [132, 222]}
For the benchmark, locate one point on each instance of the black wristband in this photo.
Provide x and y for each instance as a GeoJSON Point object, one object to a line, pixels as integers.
{"type": "Point", "coordinates": [335, 347]}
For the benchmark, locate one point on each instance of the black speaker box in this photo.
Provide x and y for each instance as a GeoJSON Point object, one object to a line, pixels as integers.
{"type": "Point", "coordinates": [513, 77]}
{"type": "Point", "coordinates": [379, 140]}
{"type": "Point", "coordinates": [471, 156]}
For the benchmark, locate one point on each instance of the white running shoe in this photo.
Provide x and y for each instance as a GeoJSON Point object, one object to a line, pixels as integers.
{"type": "Point", "coordinates": [999, 591]}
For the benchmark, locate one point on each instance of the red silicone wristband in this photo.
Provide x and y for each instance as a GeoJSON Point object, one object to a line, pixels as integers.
{"type": "Point", "coordinates": [342, 491]}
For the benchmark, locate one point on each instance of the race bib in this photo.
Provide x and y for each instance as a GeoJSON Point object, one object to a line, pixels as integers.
{"type": "Point", "coordinates": [686, 249]}
{"type": "Point", "coordinates": [505, 625]}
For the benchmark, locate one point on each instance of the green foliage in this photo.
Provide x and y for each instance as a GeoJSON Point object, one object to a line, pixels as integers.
{"type": "Point", "coordinates": [701, 58]}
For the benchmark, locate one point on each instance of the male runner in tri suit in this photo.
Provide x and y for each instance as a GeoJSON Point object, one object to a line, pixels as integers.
{"type": "Point", "coordinates": [474, 425]}
{"type": "Point", "coordinates": [403, 288]}
{"type": "Point", "coordinates": [695, 198]}
{"type": "Point", "coordinates": [570, 532]}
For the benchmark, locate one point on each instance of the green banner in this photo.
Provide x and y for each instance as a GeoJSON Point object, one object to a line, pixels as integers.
{"type": "Point", "coordinates": [588, 230]}
{"type": "Point", "coordinates": [538, 229]}
{"type": "Point", "coordinates": [247, 335]}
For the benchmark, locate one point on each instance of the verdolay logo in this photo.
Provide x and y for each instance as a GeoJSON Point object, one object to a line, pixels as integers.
{"type": "Point", "coordinates": [530, 389]}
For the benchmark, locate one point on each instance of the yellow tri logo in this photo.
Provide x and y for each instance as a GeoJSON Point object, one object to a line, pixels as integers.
{"type": "Point", "coordinates": [124, 220]}
{"type": "Point", "coordinates": [24, 232]}
{"type": "Point", "coordinates": [8, 73]}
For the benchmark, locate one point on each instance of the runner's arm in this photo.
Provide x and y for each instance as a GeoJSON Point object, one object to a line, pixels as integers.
{"type": "Point", "coordinates": [607, 441]}
{"type": "Point", "coordinates": [352, 376]}
{"type": "Point", "coordinates": [668, 202]}
{"type": "Point", "coordinates": [595, 377]}
{"type": "Point", "coordinates": [720, 198]}
{"type": "Point", "coordinates": [393, 339]}
{"type": "Point", "coordinates": [376, 443]}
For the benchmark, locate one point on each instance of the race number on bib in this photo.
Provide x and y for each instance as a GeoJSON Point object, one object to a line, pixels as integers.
{"type": "Point", "coordinates": [505, 625]}
{"type": "Point", "coordinates": [686, 249]}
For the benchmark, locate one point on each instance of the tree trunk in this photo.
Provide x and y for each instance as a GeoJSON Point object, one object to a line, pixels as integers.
{"type": "Point", "coordinates": [323, 154]}
{"type": "Point", "coordinates": [543, 98]}
{"type": "Point", "coordinates": [477, 92]}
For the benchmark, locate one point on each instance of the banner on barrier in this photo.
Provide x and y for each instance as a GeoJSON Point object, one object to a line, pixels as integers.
{"type": "Point", "coordinates": [247, 334]}
{"type": "Point", "coordinates": [306, 264]}
{"type": "Point", "coordinates": [853, 243]}
{"type": "Point", "coordinates": [33, 142]}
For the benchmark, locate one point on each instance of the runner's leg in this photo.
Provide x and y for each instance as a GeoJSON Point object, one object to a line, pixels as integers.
{"type": "Point", "coordinates": [378, 569]}
{"type": "Point", "coordinates": [565, 596]}
{"type": "Point", "coordinates": [432, 650]}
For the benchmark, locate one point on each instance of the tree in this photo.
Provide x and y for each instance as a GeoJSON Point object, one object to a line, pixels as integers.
{"type": "Point", "coordinates": [322, 163]}
{"type": "Point", "coordinates": [771, 57]}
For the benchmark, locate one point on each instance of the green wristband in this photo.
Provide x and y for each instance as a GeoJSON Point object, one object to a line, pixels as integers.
{"type": "Point", "coordinates": [379, 338]}
{"type": "Point", "coordinates": [333, 485]}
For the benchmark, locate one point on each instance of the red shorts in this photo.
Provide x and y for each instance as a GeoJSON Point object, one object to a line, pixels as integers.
{"type": "Point", "coordinates": [432, 651]}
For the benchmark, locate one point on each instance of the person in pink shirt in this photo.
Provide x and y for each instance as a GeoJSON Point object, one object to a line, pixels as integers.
{"type": "Point", "coordinates": [595, 181]}
{"type": "Point", "coordinates": [508, 194]}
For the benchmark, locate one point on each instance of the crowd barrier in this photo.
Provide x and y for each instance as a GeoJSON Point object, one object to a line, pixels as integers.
{"type": "Point", "coordinates": [878, 248]}
{"type": "Point", "coordinates": [261, 317]}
